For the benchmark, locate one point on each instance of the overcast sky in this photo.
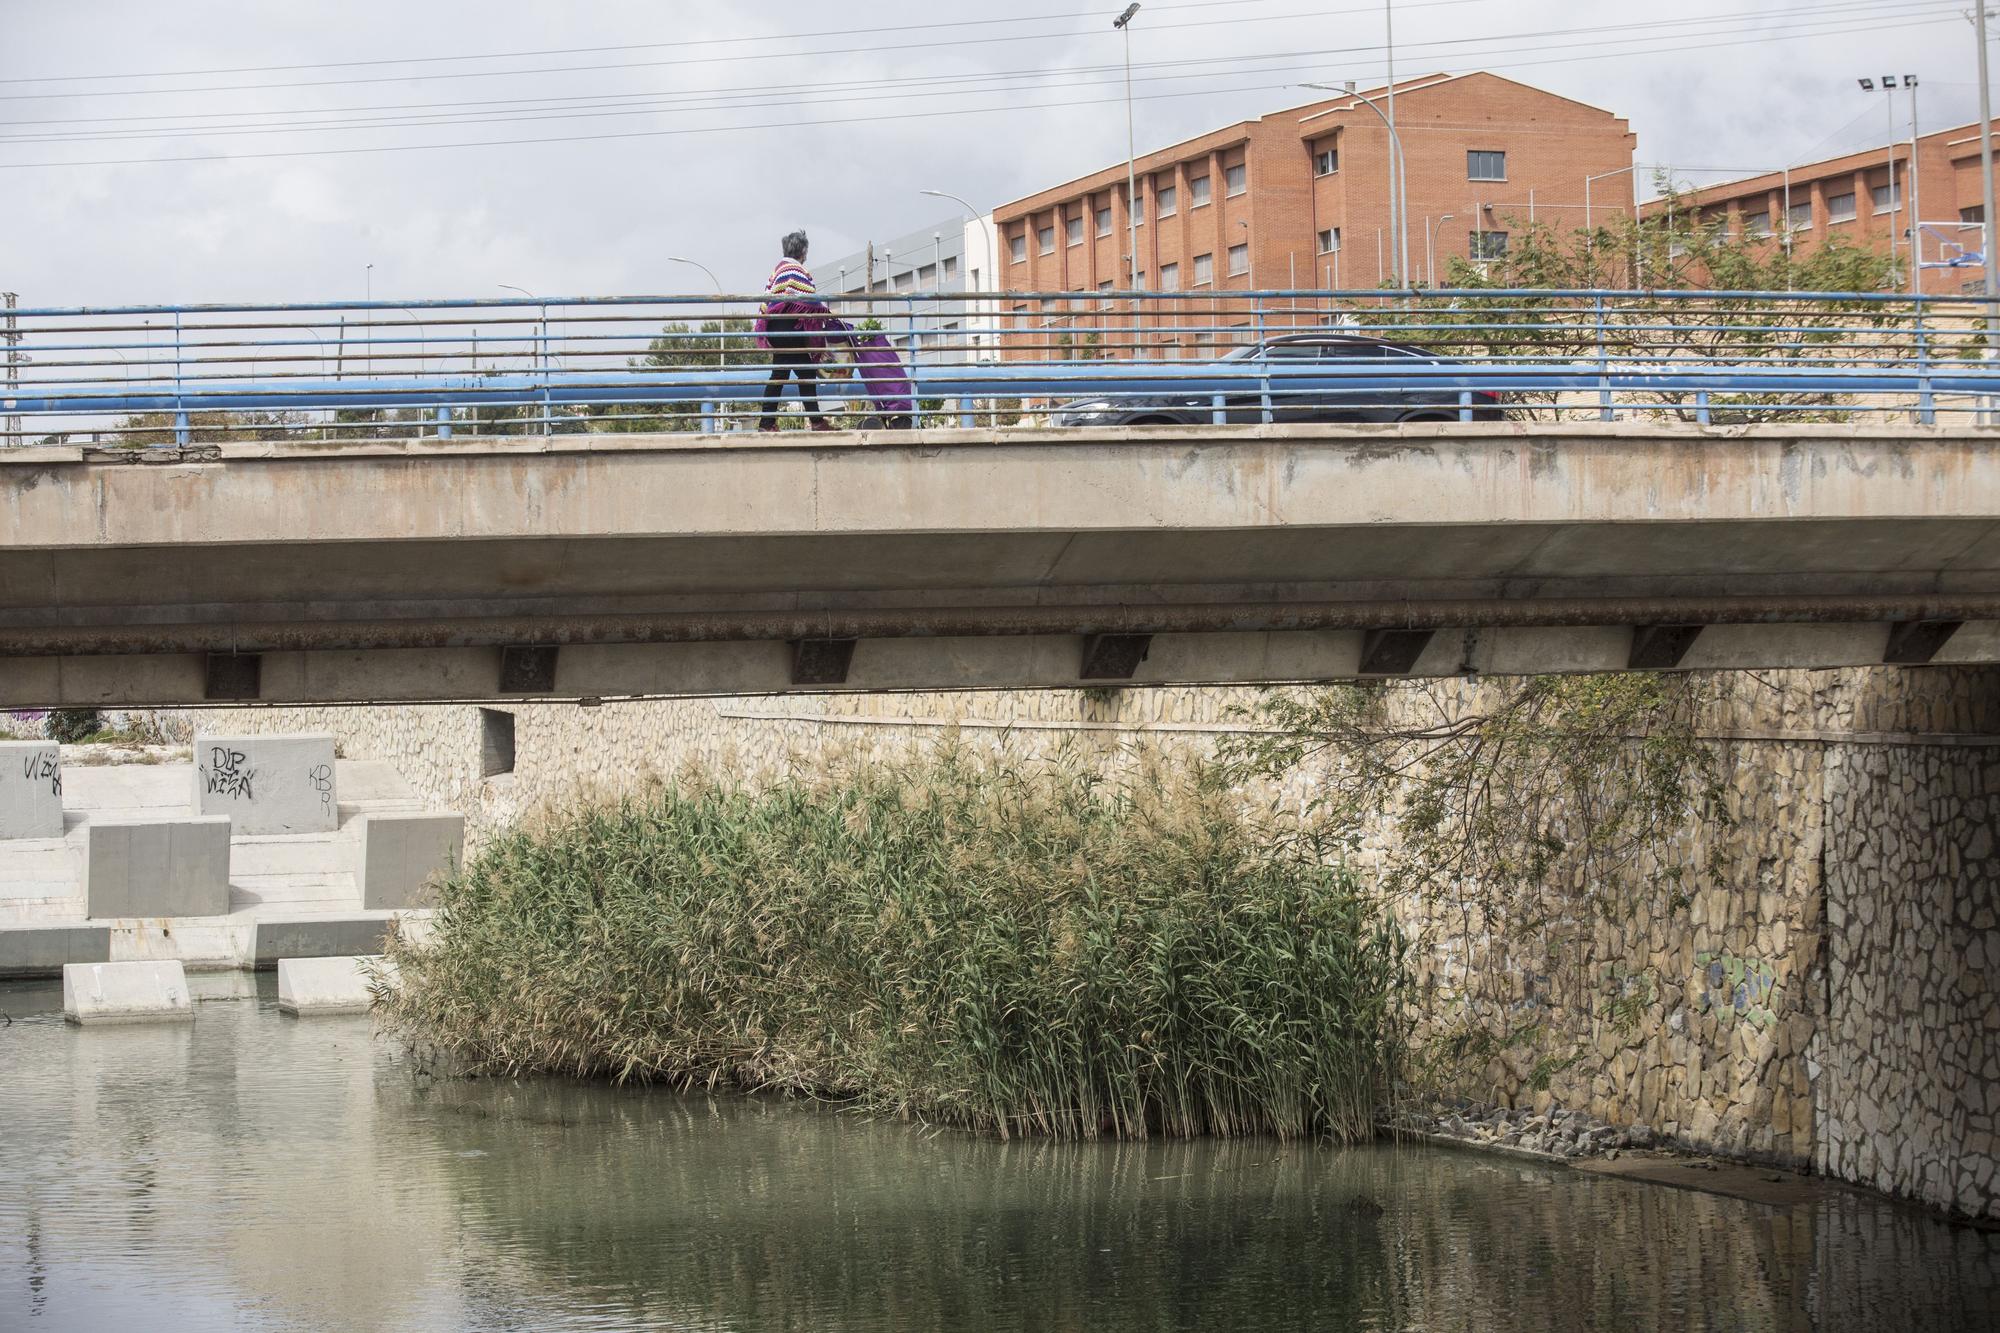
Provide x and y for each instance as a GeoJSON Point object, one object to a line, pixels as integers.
{"type": "Point", "coordinates": [881, 100]}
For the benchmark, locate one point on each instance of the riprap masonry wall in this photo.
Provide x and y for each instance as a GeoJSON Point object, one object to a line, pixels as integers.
{"type": "Point", "coordinates": [1830, 997]}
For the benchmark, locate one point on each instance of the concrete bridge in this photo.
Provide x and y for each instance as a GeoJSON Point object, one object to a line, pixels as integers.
{"type": "Point", "coordinates": [602, 565]}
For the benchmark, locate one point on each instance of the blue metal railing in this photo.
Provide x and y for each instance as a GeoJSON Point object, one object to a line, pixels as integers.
{"type": "Point", "coordinates": [183, 374]}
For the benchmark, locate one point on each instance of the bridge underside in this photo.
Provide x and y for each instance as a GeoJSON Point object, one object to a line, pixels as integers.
{"type": "Point", "coordinates": [595, 566]}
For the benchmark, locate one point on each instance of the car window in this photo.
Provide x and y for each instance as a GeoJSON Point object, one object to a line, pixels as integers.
{"type": "Point", "coordinates": [1329, 351]}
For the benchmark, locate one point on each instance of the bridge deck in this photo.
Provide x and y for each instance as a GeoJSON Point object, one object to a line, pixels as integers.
{"type": "Point", "coordinates": [683, 564]}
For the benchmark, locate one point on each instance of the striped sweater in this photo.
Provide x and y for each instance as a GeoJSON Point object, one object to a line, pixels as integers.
{"type": "Point", "coordinates": [791, 279]}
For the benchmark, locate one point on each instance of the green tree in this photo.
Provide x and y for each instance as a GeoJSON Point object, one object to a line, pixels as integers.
{"type": "Point", "coordinates": [1675, 248]}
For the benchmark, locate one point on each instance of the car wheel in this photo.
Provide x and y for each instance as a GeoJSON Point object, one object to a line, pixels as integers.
{"type": "Point", "coordinates": [1156, 421]}
{"type": "Point", "coordinates": [1430, 416]}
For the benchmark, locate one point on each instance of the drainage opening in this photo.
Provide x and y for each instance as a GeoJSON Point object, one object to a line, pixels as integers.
{"type": "Point", "coordinates": [496, 742]}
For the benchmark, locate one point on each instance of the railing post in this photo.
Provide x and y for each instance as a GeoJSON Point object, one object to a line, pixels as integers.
{"type": "Point", "coordinates": [1926, 400]}
{"type": "Point", "coordinates": [444, 421]}
{"type": "Point", "coordinates": [1604, 412]}
{"type": "Point", "coordinates": [1701, 407]}
{"type": "Point", "coordinates": [182, 435]}
{"type": "Point", "coordinates": [1217, 415]}
{"type": "Point", "coordinates": [1257, 310]}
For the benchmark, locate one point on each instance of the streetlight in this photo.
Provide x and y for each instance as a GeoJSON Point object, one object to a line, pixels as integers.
{"type": "Point", "coordinates": [1430, 238]}
{"type": "Point", "coordinates": [542, 352]}
{"type": "Point", "coordinates": [1123, 23]}
{"type": "Point", "coordinates": [682, 259]}
{"type": "Point", "coordinates": [1986, 185]}
{"type": "Point", "coordinates": [1398, 173]}
{"type": "Point", "coordinates": [993, 245]}
{"type": "Point", "coordinates": [1889, 103]}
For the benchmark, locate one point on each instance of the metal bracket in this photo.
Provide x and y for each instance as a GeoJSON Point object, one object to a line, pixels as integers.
{"type": "Point", "coordinates": [1660, 647]}
{"type": "Point", "coordinates": [1916, 642]}
{"type": "Point", "coordinates": [821, 661]}
{"type": "Point", "coordinates": [233, 676]}
{"type": "Point", "coordinates": [528, 670]}
{"type": "Point", "coordinates": [1393, 652]}
{"type": "Point", "coordinates": [1113, 656]}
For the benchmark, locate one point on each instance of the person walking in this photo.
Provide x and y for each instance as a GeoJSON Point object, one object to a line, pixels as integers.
{"type": "Point", "coordinates": [790, 330]}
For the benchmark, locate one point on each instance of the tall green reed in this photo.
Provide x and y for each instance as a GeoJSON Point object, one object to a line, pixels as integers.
{"type": "Point", "coordinates": [1013, 949]}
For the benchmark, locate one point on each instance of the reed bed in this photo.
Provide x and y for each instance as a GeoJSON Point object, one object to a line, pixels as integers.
{"type": "Point", "coordinates": [1017, 950]}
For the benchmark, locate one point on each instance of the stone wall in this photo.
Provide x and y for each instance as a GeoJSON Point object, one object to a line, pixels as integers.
{"type": "Point", "coordinates": [1828, 996]}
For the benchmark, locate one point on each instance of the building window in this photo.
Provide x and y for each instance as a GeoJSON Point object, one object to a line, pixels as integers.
{"type": "Point", "coordinates": [1329, 241]}
{"type": "Point", "coordinates": [1104, 286]}
{"type": "Point", "coordinates": [1888, 198]}
{"type": "Point", "coordinates": [906, 280]}
{"type": "Point", "coordinates": [1017, 247]}
{"type": "Point", "coordinates": [1170, 277]}
{"type": "Point", "coordinates": [1800, 216]}
{"type": "Point", "coordinates": [1198, 191]}
{"type": "Point", "coordinates": [1326, 161]}
{"type": "Point", "coordinates": [496, 742]}
{"type": "Point", "coordinates": [1757, 226]}
{"type": "Point", "coordinates": [1976, 213]}
{"type": "Point", "coordinates": [1482, 166]}
{"type": "Point", "coordinates": [1840, 207]}
{"type": "Point", "coordinates": [1488, 244]}
{"type": "Point", "coordinates": [1239, 259]}
{"type": "Point", "coordinates": [1204, 269]}
{"type": "Point", "coordinates": [950, 268]}
{"type": "Point", "coordinates": [1235, 180]}
{"type": "Point", "coordinates": [1045, 237]}
{"type": "Point", "coordinates": [927, 275]}
{"type": "Point", "coordinates": [1073, 230]}
{"type": "Point", "coordinates": [1164, 201]}
{"type": "Point", "coordinates": [1104, 221]}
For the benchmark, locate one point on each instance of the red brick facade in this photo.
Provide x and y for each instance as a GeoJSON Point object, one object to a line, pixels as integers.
{"type": "Point", "coordinates": [1947, 190]}
{"type": "Point", "coordinates": [1289, 204]}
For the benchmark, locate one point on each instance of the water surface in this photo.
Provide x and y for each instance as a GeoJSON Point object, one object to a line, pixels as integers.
{"type": "Point", "coordinates": [253, 1171]}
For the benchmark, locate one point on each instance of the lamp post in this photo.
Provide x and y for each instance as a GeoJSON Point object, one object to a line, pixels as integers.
{"type": "Point", "coordinates": [1889, 104]}
{"type": "Point", "coordinates": [1399, 230]}
{"type": "Point", "coordinates": [1987, 187]}
{"type": "Point", "coordinates": [989, 236]}
{"type": "Point", "coordinates": [1430, 237]}
{"type": "Point", "coordinates": [542, 349]}
{"type": "Point", "coordinates": [1123, 23]}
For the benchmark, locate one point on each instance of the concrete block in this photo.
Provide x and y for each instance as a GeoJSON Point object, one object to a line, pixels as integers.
{"type": "Point", "coordinates": [267, 784]}
{"type": "Point", "coordinates": [397, 855]}
{"type": "Point", "coordinates": [318, 937]}
{"type": "Point", "coordinates": [327, 985]}
{"type": "Point", "coordinates": [43, 951]}
{"type": "Point", "coordinates": [30, 789]}
{"type": "Point", "coordinates": [159, 867]}
{"type": "Point", "coordinates": [126, 993]}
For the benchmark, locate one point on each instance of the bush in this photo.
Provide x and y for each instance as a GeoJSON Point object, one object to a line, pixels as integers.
{"type": "Point", "coordinates": [1005, 950]}
{"type": "Point", "coordinates": [70, 725]}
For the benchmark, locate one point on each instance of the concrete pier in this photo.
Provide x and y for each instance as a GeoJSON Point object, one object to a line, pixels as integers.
{"type": "Point", "coordinates": [30, 789]}
{"type": "Point", "coordinates": [126, 993]}
{"type": "Point", "coordinates": [309, 986]}
{"type": "Point", "coordinates": [267, 784]}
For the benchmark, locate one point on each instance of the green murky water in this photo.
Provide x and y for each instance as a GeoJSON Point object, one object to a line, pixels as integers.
{"type": "Point", "coordinates": [252, 1171]}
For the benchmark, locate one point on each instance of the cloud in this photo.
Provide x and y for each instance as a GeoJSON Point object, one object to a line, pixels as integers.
{"type": "Point", "coordinates": [601, 216]}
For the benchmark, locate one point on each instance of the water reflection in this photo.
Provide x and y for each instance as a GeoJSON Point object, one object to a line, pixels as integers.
{"type": "Point", "coordinates": [253, 1170]}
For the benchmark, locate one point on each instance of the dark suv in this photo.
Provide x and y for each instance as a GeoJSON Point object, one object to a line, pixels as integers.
{"type": "Point", "coordinates": [1296, 350]}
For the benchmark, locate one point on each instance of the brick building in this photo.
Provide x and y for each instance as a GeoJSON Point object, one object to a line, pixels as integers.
{"type": "Point", "coordinates": [1299, 198]}
{"type": "Point", "coordinates": [1853, 197]}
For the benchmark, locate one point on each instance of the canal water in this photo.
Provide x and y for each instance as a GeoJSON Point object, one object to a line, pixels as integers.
{"type": "Point", "coordinates": [253, 1171]}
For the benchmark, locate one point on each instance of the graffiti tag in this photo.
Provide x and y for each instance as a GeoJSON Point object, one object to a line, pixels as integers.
{"type": "Point", "coordinates": [225, 774]}
{"type": "Point", "coordinates": [321, 779]}
{"type": "Point", "coordinates": [42, 767]}
{"type": "Point", "coordinates": [1737, 989]}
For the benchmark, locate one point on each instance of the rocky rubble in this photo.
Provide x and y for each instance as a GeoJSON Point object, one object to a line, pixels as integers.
{"type": "Point", "coordinates": [1558, 1132]}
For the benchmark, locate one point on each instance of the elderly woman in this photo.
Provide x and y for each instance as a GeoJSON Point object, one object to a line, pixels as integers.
{"type": "Point", "coordinates": [790, 330]}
